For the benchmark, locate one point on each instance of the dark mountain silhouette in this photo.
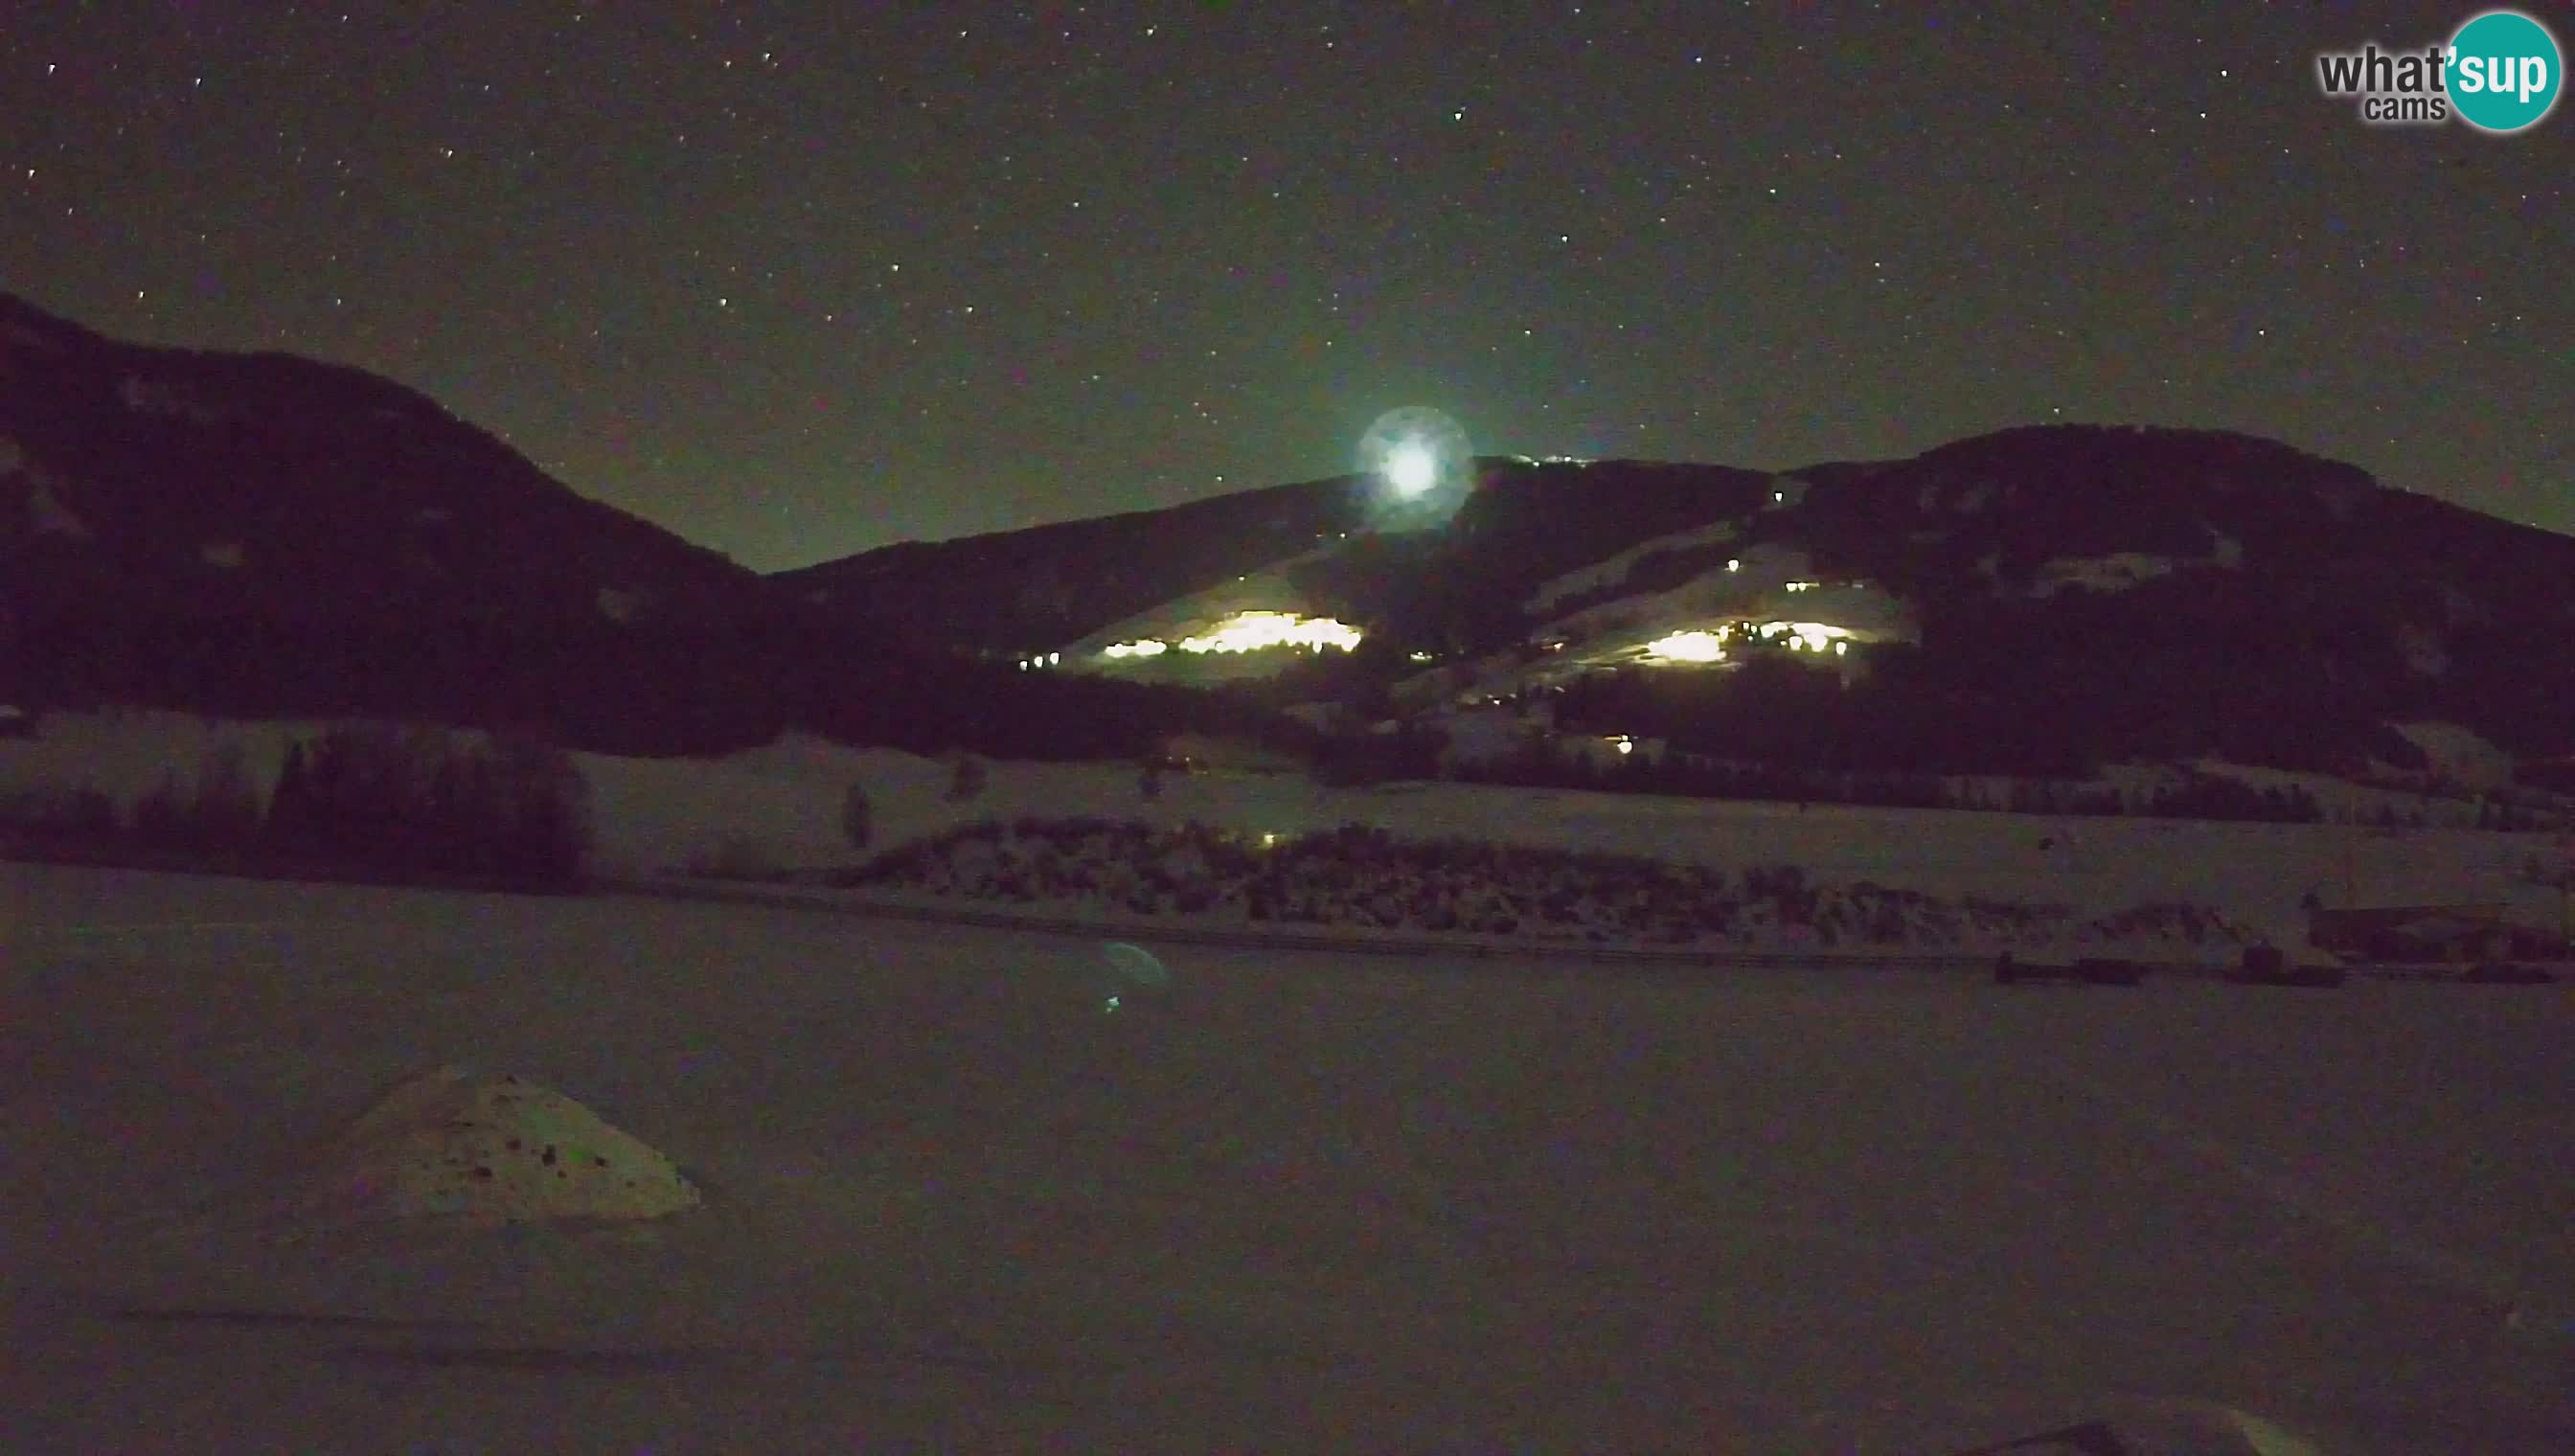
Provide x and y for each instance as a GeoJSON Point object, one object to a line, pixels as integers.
{"type": "Point", "coordinates": [1022, 591]}
{"type": "Point", "coordinates": [2072, 594]}
{"type": "Point", "coordinates": [2286, 605]}
{"type": "Point", "coordinates": [257, 532]}
{"type": "Point", "coordinates": [262, 534]}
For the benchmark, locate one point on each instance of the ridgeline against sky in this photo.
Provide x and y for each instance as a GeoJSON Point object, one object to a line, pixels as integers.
{"type": "Point", "coordinates": [803, 279]}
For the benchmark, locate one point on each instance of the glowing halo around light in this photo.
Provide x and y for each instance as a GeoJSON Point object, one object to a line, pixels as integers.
{"type": "Point", "coordinates": [1421, 460]}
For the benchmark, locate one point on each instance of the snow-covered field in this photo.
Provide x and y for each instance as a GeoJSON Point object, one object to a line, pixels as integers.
{"type": "Point", "coordinates": [783, 801]}
{"type": "Point", "coordinates": [1300, 1202]}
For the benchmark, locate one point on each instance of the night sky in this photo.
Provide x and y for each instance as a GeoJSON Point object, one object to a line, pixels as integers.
{"type": "Point", "coordinates": [797, 280]}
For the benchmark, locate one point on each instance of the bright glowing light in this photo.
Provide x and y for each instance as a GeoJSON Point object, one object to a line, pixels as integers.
{"type": "Point", "coordinates": [1412, 467]}
{"type": "Point", "coordinates": [1735, 565]}
{"type": "Point", "coordinates": [1688, 646]}
{"type": "Point", "coordinates": [1809, 636]}
{"type": "Point", "coordinates": [1425, 461]}
{"type": "Point", "coordinates": [1250, 632]}
{"type": "Point", "coordinates": [1802, 585]}
{"type": "Point", "coordinates": [1624, 746]}
{"type": "Point", "coordinates": [1708, 644]}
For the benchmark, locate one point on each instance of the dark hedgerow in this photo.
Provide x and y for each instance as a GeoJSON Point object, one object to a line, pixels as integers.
{"type": "Point", "coordinates": [1361, 874]}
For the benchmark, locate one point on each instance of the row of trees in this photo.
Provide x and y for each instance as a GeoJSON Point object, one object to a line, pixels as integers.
{"type": "Point", "coordinates": [511, 809]}
{"type": "Point", "coordinates": [409, 801]}
{"type": "Point", "coordinates": [2198, 795]}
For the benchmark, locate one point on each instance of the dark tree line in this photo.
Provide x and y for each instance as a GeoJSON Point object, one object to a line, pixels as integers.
{"type": "Point", "coordinates": [2198, 795]}
{"type": "Point", "coordinates": [515, 810]}
{"type": "Point", "coordinates": [404, 801]}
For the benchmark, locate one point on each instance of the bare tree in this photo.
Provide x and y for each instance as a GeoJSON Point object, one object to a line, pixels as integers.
{"type": "Point", "coordinates": [858, 818]}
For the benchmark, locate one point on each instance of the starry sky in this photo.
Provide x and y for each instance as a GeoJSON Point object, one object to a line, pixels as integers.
{"type": "Point", "coordinates": [799, 279]}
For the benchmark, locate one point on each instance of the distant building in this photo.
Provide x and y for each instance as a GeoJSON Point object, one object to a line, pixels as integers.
{"type": "Point", "coordinates": [1609, 750]}
{"type": "Point", "coordinates": [2459, 932]}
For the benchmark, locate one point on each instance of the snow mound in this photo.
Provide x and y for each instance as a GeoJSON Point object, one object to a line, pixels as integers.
{"type": "Point", "coordinates": [449, 1146]}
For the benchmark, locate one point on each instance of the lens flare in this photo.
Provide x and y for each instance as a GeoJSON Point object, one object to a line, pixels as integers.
{"type": "Point", "coordinates": [1424, 466]}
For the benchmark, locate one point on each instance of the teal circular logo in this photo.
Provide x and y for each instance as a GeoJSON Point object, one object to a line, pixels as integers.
{"type": "Point", "coordinates": [2504, 71]}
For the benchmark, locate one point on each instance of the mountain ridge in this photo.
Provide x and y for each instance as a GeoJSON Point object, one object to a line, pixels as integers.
{"type": "Point", "coordinates": [2147, 568]}
{"type": "Point", "coordinates": [263, 532]}
{"type": "Point", "coordinates": [269, 534]}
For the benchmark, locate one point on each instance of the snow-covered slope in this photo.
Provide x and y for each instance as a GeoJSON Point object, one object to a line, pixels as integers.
{"type": "Point", "coordinates": [1770, 590]}
{"type": "Point", "coordinates": [1200, 636]}
{"type": "Point", "coordinates": [1613, 571]}
{"type": "Point", "coordinates": [2458, 755]}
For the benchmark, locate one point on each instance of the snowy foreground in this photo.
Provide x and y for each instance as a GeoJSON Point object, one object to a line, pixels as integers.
{"type": "Point", "coordinates": [1293, 1201]}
